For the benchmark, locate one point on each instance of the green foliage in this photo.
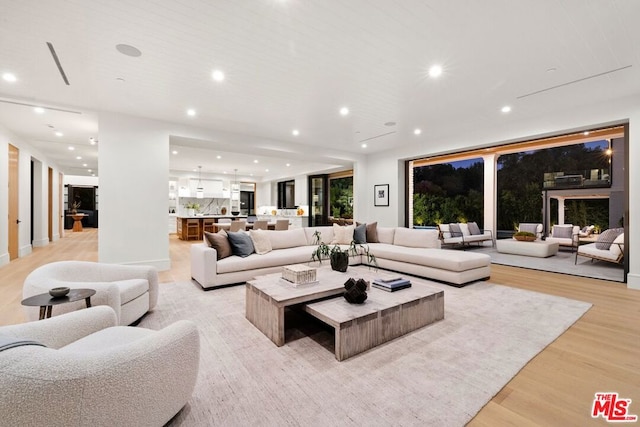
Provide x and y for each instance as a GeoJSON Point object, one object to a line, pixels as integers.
{"type": "Point", "coordinates": [341, 197]}
{"type": "Point", "coordinates": [324, 251]}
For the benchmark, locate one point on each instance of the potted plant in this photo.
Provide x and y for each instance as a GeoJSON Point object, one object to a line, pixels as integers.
{"type": "Point", "coordinates": [339, 257]}
{"type": "Point", "coordinates": [192, 208]}
{"type": "Point", "coordinates": [524, 236]}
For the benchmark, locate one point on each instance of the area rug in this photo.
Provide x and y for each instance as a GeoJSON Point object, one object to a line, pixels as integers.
{"type": "Point", "coordinates": [563, 262]}
{"type": "Point", "coordinates": [442, 374]}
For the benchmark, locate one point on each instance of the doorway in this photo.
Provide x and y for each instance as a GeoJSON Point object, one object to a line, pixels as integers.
{"type": "Point", "coordinates": [14, 221]}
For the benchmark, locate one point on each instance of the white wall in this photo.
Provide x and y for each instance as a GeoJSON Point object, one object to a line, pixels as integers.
{"type": "Point", "coordinates": [89, 181]}
{"type": "Point", "coordinates": [302, 190]}
{"type": "Point", "coordinates": [5, 138]}
{"type": "Point", "coordinates": [134, 174]}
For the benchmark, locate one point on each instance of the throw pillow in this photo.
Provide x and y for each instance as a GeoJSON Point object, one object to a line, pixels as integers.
{"type": "Point", "coordinates": [454, 228]}
{"type": "Point", "coordinates": [444, 229]}
{"type": "Point", "coordinates": [607, 237]}
{"type": "Point", "coordinates": [260, 240]}
{"type": "Point", "coordinates": [241, 244]}
{"type": "Point", "coordinates": [360, 234]}
{"type": "Point", "coordinates": [342, 235]}
{"type": "Point", "coordinates": [464, 227]}
{"type": "Point", "coordinates": [372, 232]}
{"type": "Point", "coordinates": [562, 231]}
{"type": "Point", "coordinates": [474, 229]}
{"type": "Point", "coordinates": [219, 242]}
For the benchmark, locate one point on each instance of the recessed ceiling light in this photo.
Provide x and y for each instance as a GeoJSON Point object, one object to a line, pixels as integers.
{"type": "Point", "coordinates": [84, 165]}
{"type": "Point", "coordinates": [38, 110]}
{"type": "Point", "coordinates": [120, 79]}
{"type": "Point", "coordinates": [506, 109]}
{"type": "Point", "coordinates": [295, 132]}
{"type": "Point", "coordinates": [344, 111]}
{"type": "Point", "coordinates": [435, 71]}
{"type": "Point", "coordinates": [390, 124]}
{"type": "Point", "coordinates": [551, 70]}
{"type": "Point", "coordinates": [9, 77]}
{"type": "Point", "coordinates": [417, 131]}
{"type": "Point", "coordinates": [71, 148]}
{"type": "Point", "coordinates": [89, 170]}
{"type": "Point", "coordinates": [174, 152]}
{"type": "Point", "coordinates": [78, 157]}
{"type": "Point", "coordinates": [218, 157]}
{"type": "Point", "coordinates": [250, 174]}
{"type": "Point", "coordinates": [93, 174]}
{"type": "Point", "coordinates": [288, 164]}
{"type": "Point", "coordinates": [217, 75]}
{"type": "Point", "coordinates": [58, 133]}
{"type": "Point", "coordinates": [255, 161]}
{"type": "Point", "coordinates": [364, 145]}
{"type": "Point", "coordinates": [191, 112]}
{"type": "Point", "coordinates": [585, 133]}
{"type": "Point", "coordinates": [92, 141]}
{"type": "Point", "coordinates": [195, 170]}
{"type": "Point", "coordinates": [128, 50]}
{"type": "Point", "coordinates": [266, 170]}
{"type": "Point", "coordinates": [225, 172]}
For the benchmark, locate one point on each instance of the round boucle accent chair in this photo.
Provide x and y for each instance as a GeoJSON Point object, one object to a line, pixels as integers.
{"type": "Point", "coordinates": [131, 290]}
{"type": "Point", "coordinates": [81, 369]}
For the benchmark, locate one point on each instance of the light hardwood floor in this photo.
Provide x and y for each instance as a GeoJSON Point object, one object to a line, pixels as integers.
{"type": "Point", "coordinates": [599, 353]}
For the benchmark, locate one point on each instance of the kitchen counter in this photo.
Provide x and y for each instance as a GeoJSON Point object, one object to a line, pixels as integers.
{"type": "Point", "coordinates": [181, 223]}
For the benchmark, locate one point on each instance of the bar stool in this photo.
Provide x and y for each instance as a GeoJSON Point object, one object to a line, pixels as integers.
{"type": "Point", "coordinates": [282, 224]}
{"type": "Point", "coordinates": [207, 225]}
{"type": "Point", "coordinates": [193, 228]}
{"type": "Point", "coordinates": [261, 225]}
{"type": "Point", "coordinates": [238, 225]}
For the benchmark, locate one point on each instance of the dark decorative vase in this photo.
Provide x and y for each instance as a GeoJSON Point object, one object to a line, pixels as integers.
{"type": "Point", "coordinates": [355, 291]}
{"type": "Point", "coordinates": [339, 261]}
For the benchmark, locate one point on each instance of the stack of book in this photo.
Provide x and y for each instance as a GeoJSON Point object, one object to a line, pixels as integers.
{"type": "Point", "coordinates": [390, 285]}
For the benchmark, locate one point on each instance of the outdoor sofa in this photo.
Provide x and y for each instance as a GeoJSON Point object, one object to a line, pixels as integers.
{"type": "Point", "coordinates": [463, 234]}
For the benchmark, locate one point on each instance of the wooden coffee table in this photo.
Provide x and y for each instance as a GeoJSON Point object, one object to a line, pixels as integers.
{"type": "Point", "coordinates": [358, 327]}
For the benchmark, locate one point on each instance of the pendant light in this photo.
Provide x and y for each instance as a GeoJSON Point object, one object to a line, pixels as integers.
{"type": "Point", "coordinates": [199, 189]}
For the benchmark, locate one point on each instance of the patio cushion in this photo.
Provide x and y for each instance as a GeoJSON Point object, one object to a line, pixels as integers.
{"type": "Point", "coordinates": [455, 230]}
{"type": "Point", "coordinates": [562, 231]}
{"type": "Point", "coordinates": [615, 248]}
{"type": "Point", "coordinates": [607, 237]}
{"type": "Point", "coordinates": [473, 228]}
{"type": "Point", "coordinates": [446, 232]}
{"type": "Point", "coordinates": [464, 228]}
{"type": "Point", "coordinates": [529, 227]}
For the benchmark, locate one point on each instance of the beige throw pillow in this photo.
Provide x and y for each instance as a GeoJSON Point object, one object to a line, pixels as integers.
{"type": "Point", "coordinates": [261, 241]}
{"type": "Point", "coordinates": [342, 235]}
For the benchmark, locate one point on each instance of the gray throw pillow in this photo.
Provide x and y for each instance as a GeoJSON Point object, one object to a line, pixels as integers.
{"type": "Point", "coordinates": [563, 232]}
{"type": "Point", "coordinates": [455, 230]}
{"type": "Point", "coordinates": [241, 244]}
{"type": "Point", "coordinates": [473, 228]}
{"type": "Point", "coordinates": [606, 238]}
{"type": "Point", "coordinates": [360, 234]}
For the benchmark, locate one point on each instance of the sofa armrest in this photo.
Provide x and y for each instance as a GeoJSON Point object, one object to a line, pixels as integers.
{"type": "Point", "coordinates": [203, 264]}
{"type": "Point", "coordinates": [59, 331]}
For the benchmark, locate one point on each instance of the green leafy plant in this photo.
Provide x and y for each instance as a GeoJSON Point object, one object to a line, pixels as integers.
{"type": "Point", "coordinates": [194, 205]}
{"type": "Point", "coordinates": [324, 251]}
{"type": "Point", "coordinates": [524, 234]}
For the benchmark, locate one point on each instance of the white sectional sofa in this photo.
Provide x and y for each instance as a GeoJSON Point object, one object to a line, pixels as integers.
{"type": "Point", "coordinates": [405, 250]}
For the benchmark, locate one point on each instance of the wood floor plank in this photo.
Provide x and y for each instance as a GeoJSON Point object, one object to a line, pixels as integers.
{"type": "Point", "coordinates": [600, 352]}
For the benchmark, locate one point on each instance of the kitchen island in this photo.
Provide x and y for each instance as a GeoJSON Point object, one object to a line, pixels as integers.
{"type": "Point", "coordinates": [181, 223]}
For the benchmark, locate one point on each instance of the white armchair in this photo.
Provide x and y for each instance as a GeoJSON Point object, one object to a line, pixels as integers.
{"type": "Point", "coordinates": [94, 373]}
{"type": "Point", "coordinates": [129, 289]}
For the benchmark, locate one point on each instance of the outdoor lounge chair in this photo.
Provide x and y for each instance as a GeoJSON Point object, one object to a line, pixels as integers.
{"type": "Point", "coordinates": [609, 247]}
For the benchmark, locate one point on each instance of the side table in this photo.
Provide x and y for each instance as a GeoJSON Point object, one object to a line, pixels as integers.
{"type": "Point", "coordinates": [46, 301]}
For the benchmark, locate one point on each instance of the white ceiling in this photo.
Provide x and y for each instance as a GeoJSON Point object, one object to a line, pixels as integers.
{"type": "Point", "coordinates": [291, 64]}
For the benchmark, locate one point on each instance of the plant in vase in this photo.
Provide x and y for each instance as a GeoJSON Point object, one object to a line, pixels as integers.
{"type": "Point", "coordinates": [192, 208]}
{"type": "Point", "coordinates": [339, 257]}
{"type": "Point", "coordinates": [524, 236]}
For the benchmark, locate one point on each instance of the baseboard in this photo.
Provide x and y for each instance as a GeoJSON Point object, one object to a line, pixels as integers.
{"type": "Point", "coordinates": [56, 237]}
{"type": "Point", "coordinates": [4, 259]}
{"type": "Point", "coordinates": [24, 251]}
{"type": "Point", "coordinates": [160, 264]}
{"type": "Point", "coordinates": [40, 243]}
{"type": "Point", "coordinates": [633, 281]}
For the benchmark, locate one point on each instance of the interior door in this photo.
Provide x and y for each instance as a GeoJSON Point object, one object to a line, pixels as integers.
{"type": "Point", "coordinates": [60, 207]}
{"type": "Point", "coordinates": [14, 221]}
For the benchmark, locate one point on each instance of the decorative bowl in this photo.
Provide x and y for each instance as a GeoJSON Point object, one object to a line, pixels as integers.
{"type": "Point", "coordinates": [235, 213]}
{"type": "Point", "coordinates": [59, 292]}
{"type": "Point", "coordinates": [525, 238]}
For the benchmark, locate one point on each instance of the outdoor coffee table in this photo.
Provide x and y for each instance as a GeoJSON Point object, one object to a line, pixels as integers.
{"type": "Point", "coordinates": [46, 301]}
{"type": "Point", "coordinates": [537, 248]}
{"type": "Point", "coordinates": [358, 327]}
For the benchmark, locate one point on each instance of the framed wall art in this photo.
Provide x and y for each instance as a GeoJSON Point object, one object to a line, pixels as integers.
{"type": "Point", "coordinates": [381, 195]}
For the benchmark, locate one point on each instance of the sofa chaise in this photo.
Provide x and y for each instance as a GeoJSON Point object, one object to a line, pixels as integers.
{"type": "Point", "coordinates": [410, 251]}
